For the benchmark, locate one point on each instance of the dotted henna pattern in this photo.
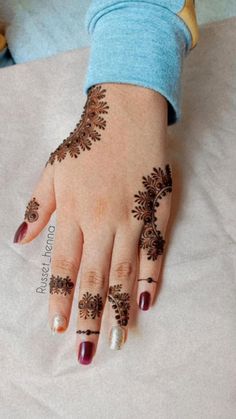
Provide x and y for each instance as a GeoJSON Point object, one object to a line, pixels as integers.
{"type": "Point", "coordinates": [88, 332]}
{"type": "Point", "coordinates": [86, 131]}
{"type": "Point", "coordinates": [31, 212]}
{"type": "Point", "coordinates": [120, 303]}
{"type": "Point", "coordinates": [157, 185]}
{"type": "Point", "coordinates": [149, 280]}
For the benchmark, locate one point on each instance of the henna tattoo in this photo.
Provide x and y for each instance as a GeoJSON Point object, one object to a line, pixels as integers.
{"type": "Point", "coordinates": [149, 280]}
{"type": "Point", "coordinates": [85, 131]}
{"type": "Point", "coordinates": [90, 306]}
{"type": "Point", "coordinates": [87, 332]}
{"type": "Point", "coordinates": [120, 303]}
{"type": "Point", "coordinates": [157, 185]}
{"type": "Point", "coordinates": [59, 285]}
{"type": "Point", "coordinates": [31, 212]}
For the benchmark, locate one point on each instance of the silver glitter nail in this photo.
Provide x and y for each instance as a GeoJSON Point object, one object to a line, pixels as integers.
{"type": "Point", "coordinates": [58, 324]}
{"type": "Point", "coordinates": [117, 337]}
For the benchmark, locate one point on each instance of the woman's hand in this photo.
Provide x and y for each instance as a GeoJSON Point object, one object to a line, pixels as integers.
{"type": "Point", "coordinates": [110, 183]}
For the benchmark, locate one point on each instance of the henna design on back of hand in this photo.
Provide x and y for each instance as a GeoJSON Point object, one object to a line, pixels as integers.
{"type": "Point", "coordinates": [86, 131]}
{"type": "Point", "coordinates": [31, 212]}
{"type": "Point", "coordinates": [157, 185]}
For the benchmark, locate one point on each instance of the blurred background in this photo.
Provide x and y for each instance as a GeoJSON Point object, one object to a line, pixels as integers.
{"type": "Point", "coordinates": [35, 29]}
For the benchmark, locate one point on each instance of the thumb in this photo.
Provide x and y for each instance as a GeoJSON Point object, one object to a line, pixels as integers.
{"type": "Point", "coordinates": [39, 208]}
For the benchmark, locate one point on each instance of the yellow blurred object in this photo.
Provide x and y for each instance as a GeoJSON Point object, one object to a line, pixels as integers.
{"type": "Point", "coordinates": [3, 42]}
{"type": "Point", "coordinates": [188, 15]}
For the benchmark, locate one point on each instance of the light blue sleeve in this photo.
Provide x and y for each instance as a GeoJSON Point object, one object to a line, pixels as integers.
{"type": "Point", "coordinates": [138, 42]}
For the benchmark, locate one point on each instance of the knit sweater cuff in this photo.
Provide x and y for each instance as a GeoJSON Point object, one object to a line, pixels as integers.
{"type": "Point", "coordinates": [142, 44]}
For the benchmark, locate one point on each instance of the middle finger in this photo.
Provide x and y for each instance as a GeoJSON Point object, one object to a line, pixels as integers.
{"type": "Point", "coordinates": [121, 283]}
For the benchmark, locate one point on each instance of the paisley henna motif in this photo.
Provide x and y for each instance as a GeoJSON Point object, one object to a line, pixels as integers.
{"type": "Point", "coordinates": [86, 131]}
{"type": "Point", "coordinates": [157, 185]}
{"type": "Point", "coordinates": [120, 303]}
{"type": "Point", "coordinates": [90, 306]}
{"type": "Point", "coordinates": [31, 213]}
{"type": "Point", "coordinates": [59, 285]}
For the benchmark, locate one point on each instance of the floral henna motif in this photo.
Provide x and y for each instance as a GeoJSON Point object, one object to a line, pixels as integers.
{"type": "Point", "coordinates": [85, 131]}
{"type": "Point", "coordinates": [90, 306]}
{"type": "Point", "coordinates": [120, 303]}
{"type": "Point", "coordinates": [157, 185]}
{"type": "Point", "coordinates": [31, 213]}
{"type": "Point", "coordinates": [59, 285]}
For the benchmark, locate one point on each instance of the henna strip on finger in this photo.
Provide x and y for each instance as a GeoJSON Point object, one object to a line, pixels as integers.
{"type": "Point", "coordinates": [87, 332]}
{"type": "Point", "coordinates": [149, 280]}
{"type": "Point", "coordinates": [157, 185]}
{"type": "Point", "coordinates": [59, 285]}
{"type": "Point", "coordinates": [31, 212]}
{"type": "Point", "coordinates": [90, 306]}
{"type": "Point", "coordinates": [86, 131]}
{"type": "Point", "coordinates": [120, 303]}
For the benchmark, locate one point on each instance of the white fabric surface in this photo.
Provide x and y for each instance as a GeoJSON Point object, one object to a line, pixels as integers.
{"type": "Point", "coordinates": [180, 358]}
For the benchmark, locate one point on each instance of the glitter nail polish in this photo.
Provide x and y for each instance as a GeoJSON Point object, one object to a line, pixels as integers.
{"type": "Point", "coordinates": [117, 337]}
{"type": "Point", "coordinates": [58, 324]}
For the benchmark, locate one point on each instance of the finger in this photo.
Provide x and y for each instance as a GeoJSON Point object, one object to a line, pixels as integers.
{"type": "Point", "coordinates": [121, 283]}
{"type": "Point", "coordinates": [152, 242]}
{"type": "Point", "coordinates": [66, 258]}
{"type": "Point", "coordinates": [38, 210]}
{"type": "Point", "coordinates": [92, 293]}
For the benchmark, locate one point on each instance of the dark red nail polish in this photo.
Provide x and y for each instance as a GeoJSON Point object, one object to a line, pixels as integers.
{"type": "Point", "coordinates": [20, 232]}
{"type": "Point", "coordinates": [85, 355]}
{"type": "Point", "coordinates": [144, 300]}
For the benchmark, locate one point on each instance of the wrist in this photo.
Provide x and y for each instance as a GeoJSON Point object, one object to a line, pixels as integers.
{"type": "Point", "coordinates": [132, 104]}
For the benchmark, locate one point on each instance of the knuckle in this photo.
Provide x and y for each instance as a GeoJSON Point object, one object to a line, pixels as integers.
{"type": "Point", "coordinates": [100, 210]}
{"type": "Point", "coordinates": [64, 265]}
{"type": "Point", "coordinates": [127, 215]}
{"type": "Point", "coordinates": [123, 270]}
{"type": "Point", "coordinates": [93, 278]}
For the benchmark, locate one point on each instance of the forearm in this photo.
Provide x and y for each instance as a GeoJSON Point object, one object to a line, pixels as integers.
{"type": "Point", "coordinates": [141, 43]}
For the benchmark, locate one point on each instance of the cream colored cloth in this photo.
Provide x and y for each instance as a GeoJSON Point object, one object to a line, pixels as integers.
{"type": "Point", "coordinates": [180, 358]}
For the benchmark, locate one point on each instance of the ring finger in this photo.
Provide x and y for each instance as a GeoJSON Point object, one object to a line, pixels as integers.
{"type": "Point", "coordinates": [92, 292]}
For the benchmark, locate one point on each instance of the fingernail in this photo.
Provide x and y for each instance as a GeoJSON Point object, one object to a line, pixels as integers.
{"type": "Point", "coordinates": [85, 354]}
{"type": "Point", "coordinates": [144, 300]}
{"type": "Point", "coordinates": [117, 337]}
{"type": "Point", "coordinates": [59, 323]}
{"type": "Point", "coordinates": [20, 232]}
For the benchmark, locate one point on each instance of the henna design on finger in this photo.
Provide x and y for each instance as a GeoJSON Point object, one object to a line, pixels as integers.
{"type": "Point", "coordinates": [31, 212]}
{"type": "Point", "coordinates": [120, 303]}
{"type": "Point", "coordinates": [90, 306]}
{"type": "Point", "coordinates": [86, 131]}
{"type": "Point", "coordinates": [59, 285]}
{"type": "Point", "coordinates": [157, 185]}
{"type": "Point", "coordinates": [88, 332]}
{"type": "Point", "coordinates": [149, 280]}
